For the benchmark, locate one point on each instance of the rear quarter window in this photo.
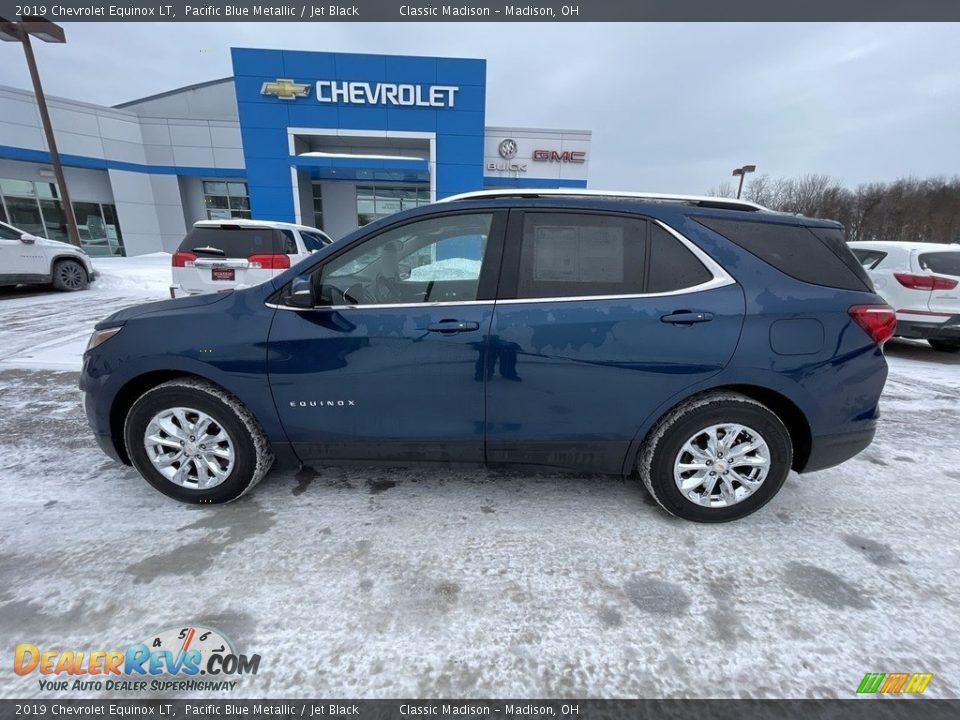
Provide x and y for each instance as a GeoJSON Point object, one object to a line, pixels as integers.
{"type": "Point", "coordinates": [942, 263]}
{"type": "Point", "coordinates": [869, 259]}
{"type": "Point", "coordinates": [234, 243]}
{"type": "Point", "coordinates": [814, 255]}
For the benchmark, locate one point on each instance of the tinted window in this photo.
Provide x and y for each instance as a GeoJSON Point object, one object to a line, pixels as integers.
{"type": "Point", "coordinates": [8, 233]}
{"type": "Point", "coordinates": [289, 242]}
{"type": "Point", "coordinates": [797, 251]}
{"type": "Point", "coordinates": [945, 263]}
{"type": "Point", "coordinates": [233, 243]}
{"type": "Point", "coordinates": [433, 260]}
{"type": "Point", "coordinates": [868, 258]}
{"type": "Point", "coordinates": [573, 255]}
{"type": "Point", "coordinates": [313, 241]}
{"type": "Point", "coordinates": [672, 266]}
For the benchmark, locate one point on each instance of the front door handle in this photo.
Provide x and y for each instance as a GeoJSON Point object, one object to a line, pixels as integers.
{"type": "Point", "coordinates": [453, 326]}
{"type": "Point", "coordinates": [687, 317]}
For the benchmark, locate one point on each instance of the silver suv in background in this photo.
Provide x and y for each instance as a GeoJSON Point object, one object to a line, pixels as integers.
{"type": "Point", "coordinates": [229, 254]}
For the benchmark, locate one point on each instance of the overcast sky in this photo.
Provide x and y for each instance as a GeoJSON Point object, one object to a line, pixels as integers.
{"type": "Point", "coordinates": [672, 107]}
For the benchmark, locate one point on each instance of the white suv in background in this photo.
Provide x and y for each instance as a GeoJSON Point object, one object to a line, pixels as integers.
{"type": "Point", "coordinates": [224, 254]}
{"type": "Point", "coordinates": [27, 259]}
{"type": "Point", "coordinates": [922, 283]}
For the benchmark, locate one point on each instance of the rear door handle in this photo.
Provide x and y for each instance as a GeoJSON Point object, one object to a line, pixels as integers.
{"type": "Point", "coordinates": [453, 326]}
{"type": "Point", "coordinates": [686, 317]}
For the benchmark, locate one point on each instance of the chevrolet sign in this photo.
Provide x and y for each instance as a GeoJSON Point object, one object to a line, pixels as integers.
{"type": "Point", "coordinates": [362, 93]}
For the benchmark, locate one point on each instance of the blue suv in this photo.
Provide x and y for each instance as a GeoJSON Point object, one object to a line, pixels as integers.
{"type": "Point", "coordinates": [707, 345]}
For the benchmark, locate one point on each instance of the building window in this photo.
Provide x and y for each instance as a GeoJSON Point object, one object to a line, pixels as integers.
{"type": "Point", "coordinates": [36, 208]}
{"type": "Point", "coordinates": [375, 202]}
{"type": "Point", "coordinates": [225, 200]}
{"type": "Point", "coordinates": [317, 207]}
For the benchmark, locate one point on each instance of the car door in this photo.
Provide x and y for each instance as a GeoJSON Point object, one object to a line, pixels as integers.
{"type": "Point", "coordinates": [600, 319]}
{"type": "Point", "coordinates": [384, 365]}
{"type": "Point", "coordinates": [18, 258]}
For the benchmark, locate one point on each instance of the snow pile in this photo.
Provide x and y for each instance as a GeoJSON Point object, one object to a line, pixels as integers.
{"type": "Point", "coordinates": [142, 275]}
{"type": "Point", "coordinates": [450, 269]}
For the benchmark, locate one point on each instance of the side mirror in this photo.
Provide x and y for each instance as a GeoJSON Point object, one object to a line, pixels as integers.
{"type": "Point", "coordinates": [28, 239]}
{"type": "Point", "coordinates": [301, 293]}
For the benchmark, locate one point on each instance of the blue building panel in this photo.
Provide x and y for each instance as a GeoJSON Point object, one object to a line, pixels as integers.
{"type": "Point", "coordinates": [417, 99]}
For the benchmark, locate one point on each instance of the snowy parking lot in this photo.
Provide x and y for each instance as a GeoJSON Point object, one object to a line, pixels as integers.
{"type": "Point", "coordinates": [403, 583]}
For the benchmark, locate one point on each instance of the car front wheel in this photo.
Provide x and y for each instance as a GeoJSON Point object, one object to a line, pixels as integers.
{"type": "Point", "coordinates": [196, 442]}
{"type": "Point", "coordinates": [69, 275]}
{"type": "Point", "coordinates": [715, 458]}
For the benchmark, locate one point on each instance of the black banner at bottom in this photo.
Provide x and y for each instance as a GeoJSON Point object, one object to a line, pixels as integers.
{"type": "Point", "coordinates": [158, 709]}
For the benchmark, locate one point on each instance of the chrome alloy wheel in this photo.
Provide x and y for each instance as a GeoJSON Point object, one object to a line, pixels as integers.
{"type": "Point", "coordinates": [721, 465]}
{"type": "Point", "coordinates": [189, 448]}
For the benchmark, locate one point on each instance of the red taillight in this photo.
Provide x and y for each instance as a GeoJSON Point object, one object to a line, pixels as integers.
{"type": "Point", "coordinates": [880, 321]}
{"type": "Point", "coordinates": [269, 262]}
{"type": "Point", "coordinates": [183, 259]}
{"type": "Point", "coordinates": [925, 282]}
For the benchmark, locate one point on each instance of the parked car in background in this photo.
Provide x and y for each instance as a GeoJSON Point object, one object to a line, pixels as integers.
{"type": "Point", "coordinates": [706, 345]}
{"type": "Point", "coordinates": [922, 282]}
{"type": "Point", "coordinates": [226, 254]}
{"type": "Point", "coordinates": [27, 259]}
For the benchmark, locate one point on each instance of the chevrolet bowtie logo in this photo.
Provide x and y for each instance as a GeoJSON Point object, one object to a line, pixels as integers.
{"type": "Point", "coordinates": [285, 89]}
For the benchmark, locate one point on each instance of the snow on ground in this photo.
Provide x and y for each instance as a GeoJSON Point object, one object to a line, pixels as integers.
{"type": "Point", "coordinates": [403, 583]}
{"type": "Point", "coordinates": [49, 330]}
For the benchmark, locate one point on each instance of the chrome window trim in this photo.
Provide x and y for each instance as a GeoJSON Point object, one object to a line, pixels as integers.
{"type": "Point", "coordinates": [721, 278]}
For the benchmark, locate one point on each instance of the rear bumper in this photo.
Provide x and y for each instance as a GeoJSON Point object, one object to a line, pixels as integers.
{"type": "Point", "coordinates": [829, 450]}
{"type": "Point", "coordinates": [946, 330]}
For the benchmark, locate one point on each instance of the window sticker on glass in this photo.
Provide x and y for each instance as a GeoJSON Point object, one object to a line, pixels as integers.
{"type": "Point", "coordinates": [578, 254]}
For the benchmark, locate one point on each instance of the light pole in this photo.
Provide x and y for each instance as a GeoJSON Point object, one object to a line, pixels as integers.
{"type": "Point", "coordinates": [742, 173]}
{"type": "Point", "coordinates": [48, 32]}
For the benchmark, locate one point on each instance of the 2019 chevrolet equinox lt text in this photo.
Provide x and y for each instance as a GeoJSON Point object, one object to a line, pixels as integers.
{"type": "Point", "coordinates": [706, 345]}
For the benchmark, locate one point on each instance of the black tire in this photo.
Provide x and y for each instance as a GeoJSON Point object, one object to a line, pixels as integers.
{"type": "Point", "coordinates": [945, 345]}
{"type": "Point", "coordinates": [69, 276]}
{"type": "Point", "coordinates": [662, 446]}
{"type": "Point", "coordinates": [253, 456]}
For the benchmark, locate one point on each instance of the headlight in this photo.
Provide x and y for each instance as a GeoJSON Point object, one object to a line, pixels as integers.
{"type": "Point", "coordinates": [101, 336]}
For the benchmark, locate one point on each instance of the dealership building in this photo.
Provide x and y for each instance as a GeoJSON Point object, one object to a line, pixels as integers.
{"type": "Point", "coordinates": [332, 140]}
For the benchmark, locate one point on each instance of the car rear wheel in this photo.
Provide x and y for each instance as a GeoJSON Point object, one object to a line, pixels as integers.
{"type": "Point", "coordinates": [716, 458]}
{"type": "Point", "coordinates": [944, 345]}
{"type": "Point", "coordinates": [195, 442]}
{"type": "Point", "coordinates": [69, 275]}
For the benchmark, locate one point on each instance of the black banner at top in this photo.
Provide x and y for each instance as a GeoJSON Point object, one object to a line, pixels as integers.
{"type": "Point", "coordinates": [483, 11]}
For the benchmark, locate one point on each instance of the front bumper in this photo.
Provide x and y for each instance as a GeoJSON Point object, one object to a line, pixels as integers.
{"type": "Point", "coordinates": [829, 450]}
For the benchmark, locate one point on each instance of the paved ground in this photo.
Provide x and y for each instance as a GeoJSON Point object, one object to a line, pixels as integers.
{"type": "Point", "coordinates": [392, 583]}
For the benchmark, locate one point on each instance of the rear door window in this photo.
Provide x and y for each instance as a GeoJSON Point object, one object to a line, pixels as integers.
{"type": "Point", "coordinates": [578, 255]}
{"type": "Point", "coordinates": [233, 243]}
{"type": "Point", "coordinates": [814, 255]}
{"type": "Point", "coordinates": [941, 263]}
{"type": "Point", "coordinates": [313, 241]}
{"type": "Point", "coordinates": [569, 255]}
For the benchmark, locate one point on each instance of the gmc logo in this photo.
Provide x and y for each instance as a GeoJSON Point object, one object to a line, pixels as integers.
{"type": "Point", "coordinates": [567, 156]}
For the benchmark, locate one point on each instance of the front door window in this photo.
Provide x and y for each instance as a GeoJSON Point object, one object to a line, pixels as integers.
{"type": "Point", "coordinates": [432, 260]}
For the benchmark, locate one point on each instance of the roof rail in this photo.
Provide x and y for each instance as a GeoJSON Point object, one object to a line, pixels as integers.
{"type": "Point", "coordinates": [700, 200]}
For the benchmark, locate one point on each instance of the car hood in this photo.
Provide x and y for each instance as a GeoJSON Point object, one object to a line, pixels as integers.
{"type": "Point", "coordinates": [136, 311]}
{"type": "Point", "coordinates": [58, 244]}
